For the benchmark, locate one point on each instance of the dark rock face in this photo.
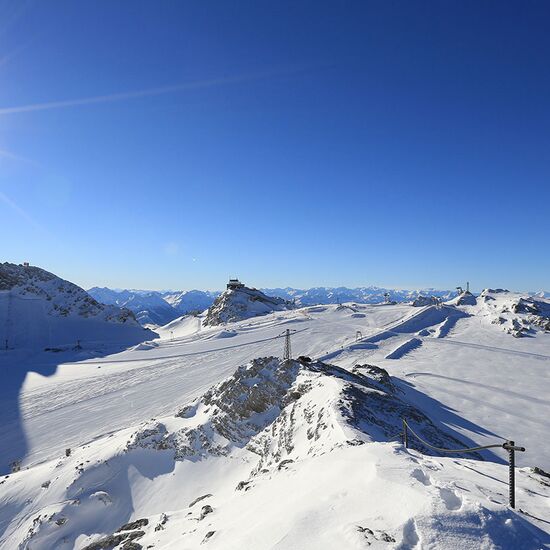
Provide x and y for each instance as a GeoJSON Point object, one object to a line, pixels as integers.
{"type": "Point", "coordinates": [107, 543]}
{"type": "Point", "coordinates": [264, 403]}
{"type": "Point", "coordinates": [376, 374]}
{"type": "Point", "coordinates": [134, 525]}
{"type": "Point", "coordinates": [205, 510]}
{"type": "Point", "coordinates": [198, 499]}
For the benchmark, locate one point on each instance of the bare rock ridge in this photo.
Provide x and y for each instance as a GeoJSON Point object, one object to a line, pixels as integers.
{"type": "Point", "coordinates": [286, 410]}
{"type": "Point", "coordinates": [239, 302]}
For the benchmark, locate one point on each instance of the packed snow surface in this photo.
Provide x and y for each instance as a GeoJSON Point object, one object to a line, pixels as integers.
{"type": "Point", "coordinates": [203, 438]}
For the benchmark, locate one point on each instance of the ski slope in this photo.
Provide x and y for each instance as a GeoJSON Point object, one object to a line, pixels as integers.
{"type": "Point", "coordinates": [489, 386]}
{"type": "Point", "coordinates": [474, 381]}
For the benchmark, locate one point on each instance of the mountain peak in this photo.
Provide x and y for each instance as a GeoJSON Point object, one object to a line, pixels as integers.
{"type": "Point", "coordinates": [240, 302]}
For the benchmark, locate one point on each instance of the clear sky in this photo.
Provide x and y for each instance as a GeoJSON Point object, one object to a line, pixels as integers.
{"type": "Point", "coordinates": [172, 144]}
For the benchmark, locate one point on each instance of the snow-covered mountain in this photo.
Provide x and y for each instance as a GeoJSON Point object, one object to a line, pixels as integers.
{"type": "Point", "coordinates": [156, 308]}
{"type": "Point", "coordinates": [190, 300]}
{"type": "Point", "coordinates": [39, 309]}
{"type": "Point", "coordinates": [361, 295]}
{"type": "Point", "coordinates": [149, 308]}
{"type": "Point", "coordinates": [235, 304]}
{"type": "Point", "coordinates": [204, 438]}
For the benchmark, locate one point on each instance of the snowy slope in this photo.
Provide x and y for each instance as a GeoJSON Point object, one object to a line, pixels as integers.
{"type": "Point", "coordinates": [39, 310]}
{"type": "Point", "coordinates": [292, 440]}
{"type": "Point", "coordinates": [474, 382]}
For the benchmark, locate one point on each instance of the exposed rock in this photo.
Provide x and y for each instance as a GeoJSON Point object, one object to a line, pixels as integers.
{"type": "Point", "coordinates": [198, 499]}
{"type": "Point", "coordinates": [62, 297]}
{"type": "Point", "coordinates": [109, 542]}
{"type": "Point", "coordinates": [133, 525]}
{"type": "Point", "coordinates": [205, 510]}
{"type": "Point", "coordinates": [263, 404]}
{"type": "Point", "coordinates": [422, 301]}
{"type": "Point", "coordinates": [207, 536]}
{"type": "Point", "coordinates": [376, 374]}
{"type": "Point", "coordinates": [235, 304]}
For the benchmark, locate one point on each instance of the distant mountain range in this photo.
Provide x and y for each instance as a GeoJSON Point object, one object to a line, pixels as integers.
{"type": "Point", "coordinates": [161, 307]}
{"type": "Point", "coordinates": [156, 307]}
{"type": "Point", "coordinates": [362, 295]}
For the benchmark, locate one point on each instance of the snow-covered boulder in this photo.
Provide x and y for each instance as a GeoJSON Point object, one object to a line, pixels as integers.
{"type": "Point", "coordinates": [422, 301]}
{"type": "Point", "coordinates": [235, 304]}
{"type": "Point", "coordinates": [465, 298]}
{"type": "Point", "coordinates": [280, 410]}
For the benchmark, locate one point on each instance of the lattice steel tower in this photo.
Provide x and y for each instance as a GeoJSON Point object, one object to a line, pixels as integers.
{"type": "Point", "coordinates": [288, 350]}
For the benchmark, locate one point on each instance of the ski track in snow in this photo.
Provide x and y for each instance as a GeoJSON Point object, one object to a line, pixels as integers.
{"type": "Point", "coordinates": [86, 400]}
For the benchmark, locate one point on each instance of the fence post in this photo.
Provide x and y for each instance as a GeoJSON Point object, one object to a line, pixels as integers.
{"type": "Point", "coordinates": [405, 438]}
{"type": "Point", "coordinates": [512, 473]}
{"type": "Point", "coordinates": [510, 446]}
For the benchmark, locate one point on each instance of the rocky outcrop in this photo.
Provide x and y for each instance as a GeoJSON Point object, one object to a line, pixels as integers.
{"type": "Point", "coordinates": [61, 298]}
{"type": "Point", "coordinates": [281, 410]}
{"type": "Point", "coordinates": [422, 301]}
{"type": "Point", "coordinates": [235, 304]}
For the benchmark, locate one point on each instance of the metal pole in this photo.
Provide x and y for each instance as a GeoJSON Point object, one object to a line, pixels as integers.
{"type": "Point", "coordinates": [512, 473]}
{"type": "Point", "coordinates": [510, 446]}
{"type": "Point", "coordinates": [405, 438]}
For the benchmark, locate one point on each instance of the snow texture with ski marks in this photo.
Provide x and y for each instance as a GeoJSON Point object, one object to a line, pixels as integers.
{"type": "Point", "coordinates": [471, 378]}
{"type": "Point", "coordinates": [297, 441]}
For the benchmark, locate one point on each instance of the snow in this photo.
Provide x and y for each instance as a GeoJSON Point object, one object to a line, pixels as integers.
{"type": "Point", "coordinates": [217, 428]}
{"type": "Point", "coordinates": [155, 308]}
{"type": "Point", "coordinates": [240, 303]}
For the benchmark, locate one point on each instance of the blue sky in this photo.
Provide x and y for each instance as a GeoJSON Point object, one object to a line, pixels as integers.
{"type": "Point", "coordinates": [173, 144]}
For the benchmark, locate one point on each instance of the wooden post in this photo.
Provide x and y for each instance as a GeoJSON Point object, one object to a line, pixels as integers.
{"type": "Point", "coordinates": [405, 438]}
